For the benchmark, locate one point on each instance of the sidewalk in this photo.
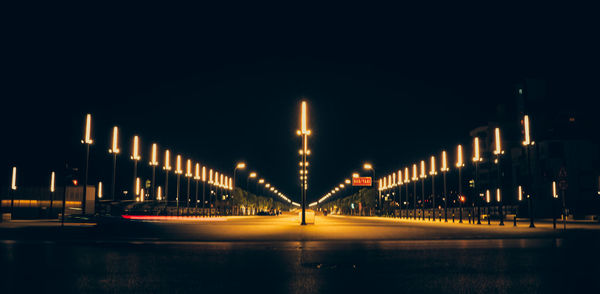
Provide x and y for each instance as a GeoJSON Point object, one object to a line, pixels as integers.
{"type": "Point", "coordinates": [521, 222]}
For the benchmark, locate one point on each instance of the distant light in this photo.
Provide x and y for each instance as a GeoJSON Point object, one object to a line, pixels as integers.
{"type": "Point", "coordinates": [252, 175]}
{"type": "Point", "coordinates": [137, 186]}
{"type": "Point", "coordinates": [415, 177]}
{"type": "Point", "coordinates": [423, 174]}
{"type": "Point", "coordinates": [99, 189]}
{"type": "Point", "coordinates": [367, 166]}
{"type": "Point", "coordinates": [432, 171]}
{"type": "Point", "coordinates": [261, 181]}
{"type": "Point", "coordinates": [444, 162]}
{"type": "Point", "coordinates": [210, 178]}
{"type": "Point", "coordinates": [487, 196]}
{"type": "Point", "coordinates": [554, 194]}
{"type": "Point", "coordinates": [204, 173]}
{"type": "Point", "coordinates": [520, 193]}
{"type": "Point", "coordinates": [406, 175]}
{"type": "Point", "coordinates": [241, 165]}
{"type": "Point", "coordinates": [188, 170]}
{"type": "Point", "coordinates": [497, 142]}
{"type": "Point", "coordinates": [159, 193]}
{"type": "Point", "coordinates": [347, 181]}
{"type": "Point", "coordinates": [498, 196]}
{"type": "Point", "coordinates": [355, 175]}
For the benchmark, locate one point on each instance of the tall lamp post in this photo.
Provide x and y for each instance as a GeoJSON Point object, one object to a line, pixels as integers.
{"type": "Point", "coordinates": [415, 178]}
{"type": "Point", "coordinates": [154, 164]}
{"type": "Point", "coordinates": [178, 172]}
{"type": "Point", "coordinates": [203, 188]}
{"type": "Point", "coordinates": [444, 169]}
{"type": "Point", "coordinates": [476, 159]}
{"type": "Point", "coordinates": [114, 150]}
{"type": "Point", "coordinates": [368, 166]}
{"type": "Point", "coordinates": [52, 189]}
{"type": "Point", "coordinates": [135, 156]}
{"type": "Point", "coordinates": [304, 132]}
{"type": "Point", "coordinates": [197, 179]}
{"type": "Point", "coordinates": [527, 143]}
{"type": "Point", "coordinates": [239, 165]}
{"type": "Point", "coordinates": [399, 184]}
{"type": "Point", "coordinates": [433, 172]}
{"type": "Point", "coordinates": [210, 183]}
{"type": "Point", "coordinates": [188, 175]}
{"type": "Point", "coordinates": [423, 176]}
{"type": "Point", "coordinates": [406, 181]}
{"type": "Point", "coordinates": [87, 141]}
{"type": "Point", "coordinates": [498, 152]}
{"type": "Point", "coordinates": [252, 175]}
{"type": "Point", "coordinates": [167, 168]}
{"type": "Point", "coordinates": [459, 165]}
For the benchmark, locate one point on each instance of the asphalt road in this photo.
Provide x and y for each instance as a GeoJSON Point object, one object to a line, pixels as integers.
{"type": "Point", "coordinates": [275, 255]}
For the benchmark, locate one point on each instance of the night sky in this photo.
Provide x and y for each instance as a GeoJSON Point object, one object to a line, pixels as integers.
{"type": "Point", "coordinates": [388, 85]}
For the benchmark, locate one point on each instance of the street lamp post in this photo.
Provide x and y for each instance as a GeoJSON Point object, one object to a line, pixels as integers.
{"type": "Point", "coordinates": [167, 168]}
{"type": "Point", "coordinates": [368, 166]}
{"type": "Point", "coordinates": [52, 189]}
{"type": "Point", "coordinates": [135, 156]}
{"type": "Point", "coordinates": [399, 183]}
{"type": "Point", "coordinates": [498, 152]}
{"type": "Point", "coordinates": [87, 140]}
{"type": "Point", "coordinates": [188, 175]}
{"type": "Point", "coordinates": [444, 170]}
{"type": "Point", "coordinates": [239, 165]}
{"type": "Point", "coordinates": [178, 172]}
{"type": "Point", "coordinates": [114, 151]}
{"type": "Point", "coordinates": [154, 163]}
{"type": "Point", "coordinates": [423, 176]}
{"type": "Point", "coordinates": [527, 143]}
{"type": "Point", "coordinates": [210, 183]}
{"type": "Point", "coordinates": [476, 159]}
{"type": "Point", "coordinates": [251, 176]}
{"type": "Point", "coordinates": [304, 132]}
{"type": "Point", "coordinates": [415, 178]}
{"type": "Point", "coordinates": [406, 181]}
{"type": "Point", "coordinates": [459, 165]}
{"type": "Point", "coordinates": [197, 179]}
{"type": "Point", "coordinates": [203, 188]}
{"type": "Point", "coordinates": [433, 172]}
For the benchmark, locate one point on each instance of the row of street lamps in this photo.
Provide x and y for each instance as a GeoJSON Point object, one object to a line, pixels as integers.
{"type": "Point", "coordinates": [402, 177]}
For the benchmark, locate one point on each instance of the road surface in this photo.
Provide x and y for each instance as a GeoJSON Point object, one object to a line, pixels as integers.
{"type": "Point", "coordinates": [275, 255]}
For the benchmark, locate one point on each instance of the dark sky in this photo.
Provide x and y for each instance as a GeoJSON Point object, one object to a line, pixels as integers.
{"type": "Point", "coordinates": [389, 85]}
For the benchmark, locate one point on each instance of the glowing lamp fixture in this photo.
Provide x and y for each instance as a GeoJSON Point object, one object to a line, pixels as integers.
{"type": "Point", "coordinates": [433, 172]}
{"type": "Point", "coordinates": [88, 130]}
{"type": "Point", "coordinates": [423, 174]}
{"type": "Point", "coordinates": [497, 142]}
{"type": "Point", "coordinates": [415, 177]}
{"type": "Point", "coordinates": [444, 167]}
{"type": "Point", "coordinates": [115, 141]}
{"type": "Point", "coordinates": [527, 138]}
{"type": "Point", "coordinates": [178, 166]}
{"type": "Point", "coordinates": [99, 189]}
{"type": "Point", "coordinates": [136, 148]}
{"type": "Point", "coordinates": [459, 156]}
{"type": "Point", "coordinates": [197, 172]}
{"type": "Point", "coordinates": [13, 182]}
{"type": "Point", "coordinates": [167, 166]}
{"type": "Point", "coordinates": [476, 155]}
{"type": "Point", "coordinates": [52, 180]}
{"type": "Point", "coordinates": [153, 158]}
{"type": "Point", "coordinates": [188, 170]}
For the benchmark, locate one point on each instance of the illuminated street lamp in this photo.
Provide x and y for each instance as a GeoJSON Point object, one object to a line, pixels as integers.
{"type": "Point", "coordinates": [178, 172]}
{"type": "Point", "coordinates": [197, 178]}
{"type": "Point", "coordinates": [239, 165]}
{"type": "Point", "coordinates": [368, 166]}
{"type": "Point", "coordinates": [203, 188]}
{"type": "Point", "coordinates": [135, 156]}
{"type": "Point", "coordinates": [167, 168]}
{"type": "Point", "coordinates": [423, 176]}
{"type": "Point", "coordinates": [444, 169]}
{"type": "Point", "coordinates": [99, 190]}
{"type": "Point", "coordinates": [87, 141]}
{"type": "Point", "coordinates": [433, 172]}
{"type": "Point", "coordinates": [304, 132]}
{"type": "Point", "coordinates": [114, 150]}
{"type": "Point", "coordinates": [210, 182]}
{"type": "Point", "coordinates": [498, 152]}
{"type": "Point", "coordinates": [527, 143]}
{"type": "Point", "coordinates": [459, 165]}
{"type": "Point", "coordinates": [252, 175]}
{"type": "Point", "coordinates": [476, 159]}
{"type": "Point", "coordinates": [13, 188]}
{"type": "Point", "coordinates": [52, 189]}
{"type": "Point", "coordinates": [188, 175]}
{"type": "Point", "coordinates": [154, 164]}
{"type": "Point", "coordinates": [406, 181]}
{"type": "Point", "coordinates": [415, 178]}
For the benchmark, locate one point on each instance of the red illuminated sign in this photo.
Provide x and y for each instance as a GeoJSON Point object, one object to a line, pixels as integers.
{"type": "Point", "coordinates": [362, 181]}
